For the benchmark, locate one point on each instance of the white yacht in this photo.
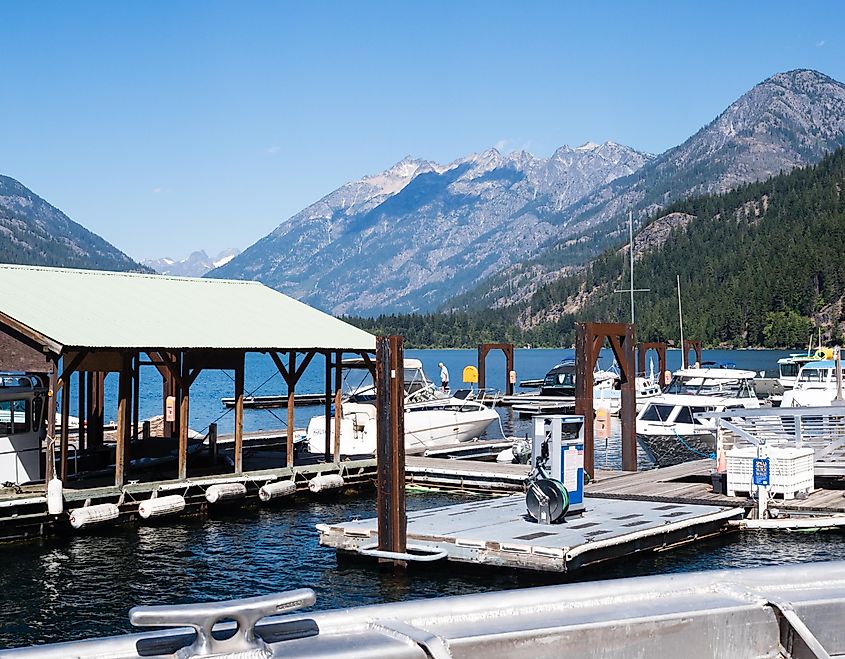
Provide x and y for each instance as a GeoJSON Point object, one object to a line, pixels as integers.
{"type": "Point", "coordinates": [666, 427]}
{"type": "Point", "coordinates": [788, 367]}
{"type": "Point", "coordinates": [814, 387]}
{"type": "Point", "coordinates": [432, 417]}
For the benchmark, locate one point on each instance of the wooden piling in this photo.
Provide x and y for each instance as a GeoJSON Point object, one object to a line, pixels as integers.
{"type": "Point", "coordinates": [239, 417]}
{"type": "Point", "coordinates": [65, 430]}
{"type": "Point", "coordinates": [50, 453]}
{"type": "Point", "coordinates": [291, 403]}
{"type": "Point", "coordinates": [123, 421]}
{"type": "Point", "coordinates": [390, 450]}
{"type": "Point", "coordinates": [82, 390]}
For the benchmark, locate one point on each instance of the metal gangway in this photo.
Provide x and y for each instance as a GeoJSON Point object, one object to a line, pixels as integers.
{"type": "Point", "coordinates": [820, 428]}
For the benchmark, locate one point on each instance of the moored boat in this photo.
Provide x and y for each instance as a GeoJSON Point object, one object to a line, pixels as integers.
{"type": "Point", "coordinates": [667, 428]}
{"type": "Point", "coordinates": [432, 417]}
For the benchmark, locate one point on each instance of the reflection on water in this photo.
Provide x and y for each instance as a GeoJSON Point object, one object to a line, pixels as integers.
{"type": "Point", "coordinates": [84, 585]}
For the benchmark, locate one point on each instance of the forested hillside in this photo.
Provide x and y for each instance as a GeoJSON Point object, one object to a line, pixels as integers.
{"type": "Point", "coordinates": [758, 266]}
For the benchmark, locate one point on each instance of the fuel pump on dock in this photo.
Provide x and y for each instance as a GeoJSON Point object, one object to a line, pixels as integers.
{"type": "Point", "coordinates": [556, 481]}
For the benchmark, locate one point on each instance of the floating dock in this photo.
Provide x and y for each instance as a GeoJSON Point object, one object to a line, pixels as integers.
{"type": "Point", "coordinates": [24, 512]}
{"type": "Point", "coordinates": [500, 532]}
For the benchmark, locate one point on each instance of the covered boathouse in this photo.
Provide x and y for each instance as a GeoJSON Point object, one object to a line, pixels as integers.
{"type": "Point", "coordinates": [83, 324]}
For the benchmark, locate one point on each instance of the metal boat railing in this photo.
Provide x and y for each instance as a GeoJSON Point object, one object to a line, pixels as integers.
{"type": "Point", "coordinates": [820, 428]}
{"type": "Point", "coordinates": [783, 611]}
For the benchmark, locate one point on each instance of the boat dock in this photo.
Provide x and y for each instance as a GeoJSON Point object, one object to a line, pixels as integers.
{"type": "Point", "coordinates": [25, 511]}
{"type": "Point", "coordinates": [500, 533]}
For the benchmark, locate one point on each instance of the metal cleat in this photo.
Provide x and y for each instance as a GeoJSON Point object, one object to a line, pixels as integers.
{"type": "Point", "coordinates": [246, 613]}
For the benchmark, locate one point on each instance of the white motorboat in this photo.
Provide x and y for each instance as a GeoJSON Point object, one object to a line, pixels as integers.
{"type": "Point", "coordinates": [815, 385]}
{"type": "Point", "coordinates": [788, 367]}
{"type": "Point", "coordinates": [432, 417]}
{"type": "Point", "coordinates": [667, 428]}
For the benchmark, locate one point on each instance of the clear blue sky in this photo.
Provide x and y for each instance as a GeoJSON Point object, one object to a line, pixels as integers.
{"type": "Point", "coordinates": [172, 126]}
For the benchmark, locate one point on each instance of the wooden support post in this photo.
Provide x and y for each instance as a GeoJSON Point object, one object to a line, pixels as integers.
{"type": "Point", "coordinates": [50, 452]}
{"type": "Point", "coordinates": [338, 413]}
{"type": "Point", "coordinates": [183, 417]}
{"type": "Point", "coordinates": [89, 409]}
{"type": "Point", "coordinates": [390, 448]}
{"type": "Point", "coordinates": [585, 360]}
{"type": "Point", "coordinates": [145, 430]}
{"type": "Point", "coordinates": [136, 393]}
{"type": "Point", "coordinates": [65, 430]}
{"type": "Point", "coordinates": [124, 393]}
{"type": "Point", "coordinates": [338, 405]}
{"type": "Point", "coordinates": [483, 350]}
{"type": "Point", "coordinates": [82, 390]}
{"type": "Point", "coordinates": [239, 417]}
{"type": "Point", "coordinates": [628, 413]}
{"type": "Point", "coordinates": [589, 339]}
{"type": "Point", "coordinates": [291, 403]}
{"type": "Point", "coordinates": [327, 407]}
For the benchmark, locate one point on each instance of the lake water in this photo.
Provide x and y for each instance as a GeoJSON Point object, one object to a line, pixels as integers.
{"type": "Point", "coordinates": [84, 585]}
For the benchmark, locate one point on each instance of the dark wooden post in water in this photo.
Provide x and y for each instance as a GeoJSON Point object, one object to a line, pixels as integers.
{"type": "Point", "coordinates": [690, 344]}
{"type": "Point", "coordinates": [65, 430]}
{"type": "Point", "coordinates": [50, 453]}
{"type": "Point", "coordinates": [327, 407]}
{"type": "Point", "coordinates": [291, 404]}
{"type": "Point", "coordinates": [136, 393]}
{"type": "Point", "coordinates": [184, 408]}
{"type": "Point", "coordinates": [660, 348]}
{"type": "Point", "coordinates": [483, 349]}
{"type": "Point", "coordinates": [589, 339]}
{"type": "Point", "coordinates": [390, 447]}
{"type": "Point", "coordinates": [124, 393]}
{"type": "Point", "coordinates": [240, 367]}
{"type": "Point", "coordinates": [80, 396]}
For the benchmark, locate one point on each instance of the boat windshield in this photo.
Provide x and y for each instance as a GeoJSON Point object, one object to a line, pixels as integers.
{"type": "Point", "coordinates": [559, 380]}
{"type": "Point", "coordinates": [816, 375]}
{"type": "Point", "coordinates": [362, 389]}
{"type": "Point", "coordinates": [657, 412]}
{"type": "Point", "coordinates": [788, 369]}
{"type": "Point", "coordinates": [718, 387]}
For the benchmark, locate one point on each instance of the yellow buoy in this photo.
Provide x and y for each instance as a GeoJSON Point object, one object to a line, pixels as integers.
{"type": "Point", "coordinates": [470, 375]}
{"type": "Point", "coordinates": [602, 423]}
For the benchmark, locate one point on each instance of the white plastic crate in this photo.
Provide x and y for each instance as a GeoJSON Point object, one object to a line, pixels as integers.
{"type": "Point", "coordinates": [790, 470]}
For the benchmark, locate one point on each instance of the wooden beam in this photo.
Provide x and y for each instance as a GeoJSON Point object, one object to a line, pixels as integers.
{"type": "Point", "coordinates": [136, 394]}
{"type": "Point", "coordinates": [124, 393]}
{"type": "Point", "coordinates": [184, 408]}
{"type": "Point", "coordinates": [291, 402]}
{"type": "Point", "coordinates": [390, 446]}
{"type": "Point", "coordinates": [239, 415]}
{"type": "Point", "coordinates": [69, 368]}
{"type": "Point", "coordinates": [301, 368]}
{"type": "Point", "coordinates": [64, 433]}
{"type": "Point", "coordinates": [327, 407]}
{"type": "Point", "coordinates": [29, 336]}
{"type": "Point", "coordinates": [81, 396]}
{"type": "Point", "coordinates": [50, 452]}
{"type": "Point", "coordinates": [281, 367]}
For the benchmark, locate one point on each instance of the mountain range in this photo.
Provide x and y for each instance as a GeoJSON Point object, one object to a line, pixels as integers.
{"type": "Point", "coordinates": [420, 232]}
{"type": "Point", "coordinates": [195, 265]}
{"type": "Point", "coordinates": [36, 233]}
{"type": "Point", "coordinates": [491, 230]}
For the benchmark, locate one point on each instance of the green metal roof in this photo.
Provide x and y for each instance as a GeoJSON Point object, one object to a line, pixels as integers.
{"type": "Point", "coordinates": [112, 310]}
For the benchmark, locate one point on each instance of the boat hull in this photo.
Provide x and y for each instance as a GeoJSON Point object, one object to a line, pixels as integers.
{"type": "Point", "coordinates": [423, 429]}
{"type": "Point", "coordinates": [669, 449]}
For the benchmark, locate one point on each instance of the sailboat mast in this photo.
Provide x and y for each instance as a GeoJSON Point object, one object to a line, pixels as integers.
{"type": "Point", "coordinates": [681, 323]}
{"type": "Point", "coordinates": [631, 257]}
